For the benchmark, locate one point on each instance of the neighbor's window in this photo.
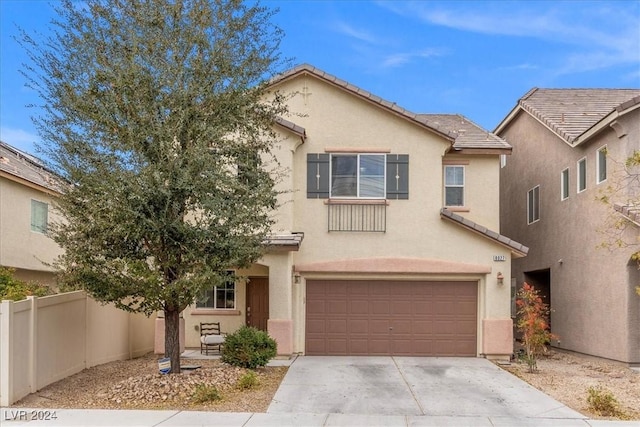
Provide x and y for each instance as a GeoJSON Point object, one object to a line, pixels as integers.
{"type": "Point", "coordinates": [39, 216]}
{"type": "Point", "coordinates": [582, 175]}
{"type": "Point", "coordinates": [220, 297]}
{"type": "Point", "coordinates": [564, 184]}
{"type": "Point", "coordinates": [533, 205]}
{"type": "Point", "coordinates": [358, 175]}
{"type": "Point", "coordinates": [601, 161]}
{"type": "Point", "coordinates": [454, 185]}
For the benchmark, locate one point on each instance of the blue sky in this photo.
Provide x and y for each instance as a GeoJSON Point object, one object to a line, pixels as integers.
{"type": "Point", "coordinates": [475, 58]}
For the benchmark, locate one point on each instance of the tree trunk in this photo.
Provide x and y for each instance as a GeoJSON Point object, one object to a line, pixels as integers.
{"type": "Point", "coordinates": [172, 338]}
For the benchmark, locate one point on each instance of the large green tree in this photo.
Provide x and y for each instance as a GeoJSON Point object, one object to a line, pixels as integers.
{"type": "Point", "coordinates": [157, 113]}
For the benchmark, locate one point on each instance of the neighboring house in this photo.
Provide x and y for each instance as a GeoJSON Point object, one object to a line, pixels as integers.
{"type": "Point", "coordinates": [568, 147]}
{"type": "Point", "coordinates": [386, 242]}
{"type": "Point", "coordinates": [26, 189]}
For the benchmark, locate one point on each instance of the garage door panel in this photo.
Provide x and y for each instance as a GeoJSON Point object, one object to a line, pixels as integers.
{"type": "Point", "coordinates": [379, 347]}
{"type": "Point", "coordinates": [380, 307]}
{"type": "Point", "coordinates": [359, 306]}
{"type": "Point", "coordinates": [336, 307]}
{"type": "Point", "coordinates": [359, 326]}
{"type": "Point", "coordinates": [337, 347]}
{"type": "Point", "coordinates": [379, 326]}
{"type": "Point", "coordinates": [391, 317]}
{"type": "Point", "coordinates": [336, 326]}
{"type": "Point", "coordinates": [402, 307]}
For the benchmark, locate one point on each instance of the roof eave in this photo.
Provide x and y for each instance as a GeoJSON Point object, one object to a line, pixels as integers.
{"type": "Point", "coordinates": [480, 151]}
{"type": "Point", "coordinates": [603, 124]}
{"type": "Point", "coordinates": [517, 250]}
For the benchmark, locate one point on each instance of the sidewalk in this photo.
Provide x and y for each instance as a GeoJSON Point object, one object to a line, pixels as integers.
{"type": "Point", "coordinates": [125, 418]}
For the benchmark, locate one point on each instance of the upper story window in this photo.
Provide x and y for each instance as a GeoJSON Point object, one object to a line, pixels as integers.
{"type": "Point", "coordinates": [582, 174]}
{"type": "Point", "coordinates": [39, 216]}
{"type": "Point", "coordinates": [533, 205]}
{"type": "Point", "coordinates": [220, 297]}
{"type": "Point", "coordinates": [601, 165]}
{"type": "Point", "coordinates": [454, 185]}
{"type": "Point", "coordinates": [564, 184]}
{"type": "Point", "coordinates": [358, 175]}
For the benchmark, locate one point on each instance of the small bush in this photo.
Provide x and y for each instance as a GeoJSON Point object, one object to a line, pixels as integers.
{"type": "Point", "coordinates": [248, 381]}
{"type": "Point", "coordinates": [206, 393]}
{"type": "Point", "coordinates": [602, 402]}
{"type": "Point", "coordinates": [16, 289]}
{"type": "Point", "coordinates": [248, 347]}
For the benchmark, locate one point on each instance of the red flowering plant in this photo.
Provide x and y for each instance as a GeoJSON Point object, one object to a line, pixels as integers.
{"type": "Point", "coordinates": [533, 324]}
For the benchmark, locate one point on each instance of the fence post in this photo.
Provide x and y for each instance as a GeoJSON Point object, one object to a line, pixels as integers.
{"type": "Point", "coordinates": [33, 345]}
{"type": "Point", "coordinates": [6, 362]}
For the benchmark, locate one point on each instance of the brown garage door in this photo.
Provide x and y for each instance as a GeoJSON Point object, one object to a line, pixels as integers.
{"type": "Point", "coordinates": [391, 318]}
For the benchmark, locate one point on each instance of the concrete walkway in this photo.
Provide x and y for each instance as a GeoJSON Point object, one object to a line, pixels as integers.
{"type": "Point", "coordinates": [363, 391]}
{"type": "Point", "coordinates": [110, 418]}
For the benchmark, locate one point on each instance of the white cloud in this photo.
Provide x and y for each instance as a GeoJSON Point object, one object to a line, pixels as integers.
{"type": "Point", "coordinates": [356, 33]}
{"type": "Point", "coordinates": [604, 34]}
{"type": "Point", "coordinates": [20, 139]}
{"type": "Point", "coordinates": [398, 59]}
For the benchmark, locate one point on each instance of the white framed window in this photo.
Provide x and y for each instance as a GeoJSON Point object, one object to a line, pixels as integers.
{"type": "Point", "coordinates": [220, 297]}
{"type": "Point", "coordinates": [564, 184]}
{"type": "Point", "coordinates": [503, 160]}
{"type": "Point", "coordinates": [533, 205]}
{"type": "Point", "coordinates": [454, 185]}
{"type": "Point", "coordinates": [358, 176]}
{"type": "Point", "coordinates": [582, 175]}
{"type": "Point", "coordinates": [601, 165]}
{"type": "Point", "coordinates": [39, 216]}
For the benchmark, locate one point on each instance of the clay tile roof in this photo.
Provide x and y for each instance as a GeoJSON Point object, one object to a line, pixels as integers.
{"type": "Point", "coordinates": [468, 134]}
{"type": "Point", "coordinates": [27, 167]}
{"type": "Point", "coordinates": [287, 242]}
{"type": "Point", "coordinates": [298, 130]}
{"type": "Point", "coordinates": [571, 112]}
{"type": "Point", "coordinates": [630, 212]}
{"type": "Point", "coordinates": [516, 248]}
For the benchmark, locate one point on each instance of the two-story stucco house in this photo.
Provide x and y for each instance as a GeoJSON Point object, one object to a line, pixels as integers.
{"type": "Point", "coordinates": [569, 145]}
{"type": "Point", "coordinates": [26, 189]}
{"type": "Point", "coordinates": [386, 241]}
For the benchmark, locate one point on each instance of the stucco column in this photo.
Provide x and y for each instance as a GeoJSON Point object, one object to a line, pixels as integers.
{"type": "Point", "coordinates": [280, 322]}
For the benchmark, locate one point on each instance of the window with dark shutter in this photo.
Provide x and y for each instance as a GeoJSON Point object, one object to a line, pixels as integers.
{"type": "Point", "coordinates": [319, 178]}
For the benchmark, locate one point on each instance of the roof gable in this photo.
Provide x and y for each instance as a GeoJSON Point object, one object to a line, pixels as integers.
{"type": "Point", "coordinates": [461, 133]}
{"type": "Point", "coordinates": [573, 114]}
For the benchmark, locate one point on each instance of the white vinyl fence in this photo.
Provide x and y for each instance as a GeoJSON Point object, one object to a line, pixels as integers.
{"type": "Point", "coordinates": [43, 340]}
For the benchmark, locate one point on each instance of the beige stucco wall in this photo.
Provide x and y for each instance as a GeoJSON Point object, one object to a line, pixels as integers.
{"type": "Point", "coordinates": [594, 307]}
{"type": "Point", "coordinates": [20, 247]}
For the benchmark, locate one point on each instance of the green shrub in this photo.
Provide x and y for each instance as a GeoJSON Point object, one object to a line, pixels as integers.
{"type": "Point", "coordinates": [248, 381]}
{"type": "Point", "coordinates": [16, 289]}
{"type": "Point", "coordinates": [206, 393]}
{"type": "Point", "coordinates": [248, 347]}
{"type": "Point", "coordinates": [602, 402]}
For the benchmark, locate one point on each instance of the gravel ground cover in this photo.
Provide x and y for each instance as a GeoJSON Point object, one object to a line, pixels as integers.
{"type": "Point", "coordinates": [567, 377]}
{"type": "Point", "coordinates": [137, 384]}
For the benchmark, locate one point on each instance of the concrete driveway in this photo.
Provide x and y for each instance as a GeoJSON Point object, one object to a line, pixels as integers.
{"type": "Point", "coordinates": [411, 386]}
